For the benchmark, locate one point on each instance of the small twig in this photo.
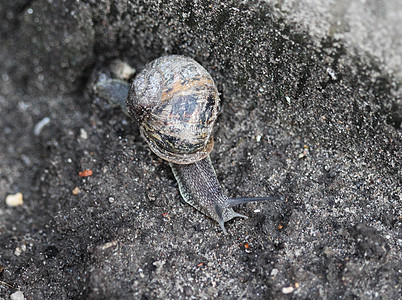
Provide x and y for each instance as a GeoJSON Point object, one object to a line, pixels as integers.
{"type": "Point", "coordinates": [9, 285]}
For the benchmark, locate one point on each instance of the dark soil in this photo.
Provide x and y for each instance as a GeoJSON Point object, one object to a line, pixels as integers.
{"type": "Point", "coordinates": [305, 119]}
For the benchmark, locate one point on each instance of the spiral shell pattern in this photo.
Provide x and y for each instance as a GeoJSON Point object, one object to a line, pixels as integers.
{"type": "Point", "coordinates": [176, 102]}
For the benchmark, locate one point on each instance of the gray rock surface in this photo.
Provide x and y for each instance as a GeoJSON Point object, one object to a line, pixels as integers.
{"type": "Point", "coordinates": [311, 111]}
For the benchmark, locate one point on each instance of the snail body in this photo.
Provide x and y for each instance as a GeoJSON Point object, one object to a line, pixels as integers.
{"type": "Point", "coordinates": [175, 101]}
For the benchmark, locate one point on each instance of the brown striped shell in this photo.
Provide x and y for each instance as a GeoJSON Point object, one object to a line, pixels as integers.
{"type": "Point", "coordinates": [176, 102]}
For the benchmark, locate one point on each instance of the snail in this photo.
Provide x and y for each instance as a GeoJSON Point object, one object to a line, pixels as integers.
{"type": "Point", "coordinates": [176, 102]}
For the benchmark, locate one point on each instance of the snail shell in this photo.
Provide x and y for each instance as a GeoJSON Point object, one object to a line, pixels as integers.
{"type": "Point", "coordinates": [176, 102]}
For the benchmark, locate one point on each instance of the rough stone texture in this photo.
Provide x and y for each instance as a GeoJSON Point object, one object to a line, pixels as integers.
{"type": "Point", "coordinates": [311, 111]}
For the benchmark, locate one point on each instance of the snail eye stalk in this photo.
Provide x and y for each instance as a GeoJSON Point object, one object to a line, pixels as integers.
{"type": "Point", "coordinates": [237, 201]}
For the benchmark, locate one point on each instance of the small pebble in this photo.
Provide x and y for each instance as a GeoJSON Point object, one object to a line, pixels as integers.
{"type": "Point", "coordinates": [17, 251]}
{"type": "Point", "coordinates": [83, 134]}
{"type": "Point", "coordinates": [14, 200]}
{"type": "Point", "coordinates": [18, 295]}
{"type": "Point", "coordinates": [108, 245]}
{"type": "Point", "coordinates": [288, 290]}
{"type": "Point", "coordinates": [39, 126]}
{"type": "Point", "coordinates": [303, 155]}
{"type": "Point", "coordinates": [121, 69]}
{"type": "Point", "coordinates": [332, 74]}
{"type": "Point", "coordinates": [85, 173]}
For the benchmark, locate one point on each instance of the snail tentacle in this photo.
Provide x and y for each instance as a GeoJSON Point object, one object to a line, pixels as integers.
{"type": "Point", "coordinates": [113, 91]}
{"type": "Point", "coordinates": [237, 201]}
